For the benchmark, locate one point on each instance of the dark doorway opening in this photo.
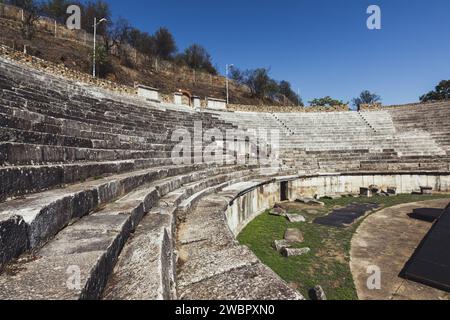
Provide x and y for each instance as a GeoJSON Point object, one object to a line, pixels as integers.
{"type": "Point", "coordinates": [284, 191]}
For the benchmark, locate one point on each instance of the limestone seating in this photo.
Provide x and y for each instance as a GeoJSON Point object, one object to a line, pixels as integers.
{"type": "Point", "coordinates": [213, 266]}
{"type": "Point", "coordinates": [19, 120]}
{"type": "Point", "coordinates": [24, 180]}
{"type": "Point", "coordinates": [94, 251]}
{"type": "Point", "coordinates": [38, 217]}
{"type": "Point", "coordinates": [20, 154]}
{"type": "Point", "coordinates": [149, 272]}
{"type": "Point", "coordinates": [82, 117]}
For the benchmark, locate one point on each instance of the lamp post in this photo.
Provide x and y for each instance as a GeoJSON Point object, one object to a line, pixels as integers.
{"type": "Point", "coordinates": [95, 43]}
{"type": "Point", "coordinates": [228, 66]}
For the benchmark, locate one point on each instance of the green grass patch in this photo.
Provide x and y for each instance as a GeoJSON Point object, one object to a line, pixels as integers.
{"type": "Point", "coordinates": [328, 262]}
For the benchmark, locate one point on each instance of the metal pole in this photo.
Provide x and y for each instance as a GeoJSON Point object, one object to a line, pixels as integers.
{"type": "Point", "coordinates": [226, 75]}
{"type": "Point", "coordinates": [95, 43]}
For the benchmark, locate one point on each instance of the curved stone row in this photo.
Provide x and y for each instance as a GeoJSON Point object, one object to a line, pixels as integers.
{"type": "Point", "coordinates": [212, 265]}
{"type": "Point", "coordinates": [92, 205]}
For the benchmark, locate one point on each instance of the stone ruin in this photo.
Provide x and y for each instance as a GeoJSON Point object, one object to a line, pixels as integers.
{"type": "Point", "coordinates": [93, 206]}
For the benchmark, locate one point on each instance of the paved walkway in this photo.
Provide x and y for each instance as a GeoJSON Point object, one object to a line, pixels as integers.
{"type": "Point", "coordinates": [387, 239]}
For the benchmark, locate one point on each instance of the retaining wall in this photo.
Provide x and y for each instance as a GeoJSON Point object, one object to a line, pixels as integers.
{"type": "Point", "coordinates": [262, 196]}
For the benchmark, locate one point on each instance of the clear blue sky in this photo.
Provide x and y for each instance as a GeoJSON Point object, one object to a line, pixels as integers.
{"type": "Point", "coordinates": [322, 47]}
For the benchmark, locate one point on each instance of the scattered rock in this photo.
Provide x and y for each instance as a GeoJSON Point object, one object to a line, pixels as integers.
{"type": "Point", "coordinates": [365, 192]}
{"type": "Point", "coordinates": [281, 244]}
{"type": "Point", "coordinates": [317, 293]}
{"type": "Point", "coordinates": [293, 235]}
{"type": "Point", "coordinates": [392, 191]}
{"type": "Point", "coordinates": [332, 197]}
{"type": "Point", "coordinates": [318, 203]}
{"type": "Point", "coordinates": [312, 212]}
{"type": "Point", "coordinates": [426, 190]}
{"type": "Point", "coordinates": [310, 201]}
{"type": "Point", "coordinates": [288, 252]}
{"type": "Point", "coordinates": [374, 189]}
{"type": "Point", "coordinates": [304, 200]}
{"type": "Point", "coordinates": [295, 218]}
{"type": "Point", "coordinates": [279, 212]}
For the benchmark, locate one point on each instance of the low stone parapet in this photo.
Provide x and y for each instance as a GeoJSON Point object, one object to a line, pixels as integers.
{"type": "Point", "coordinates": [285, 109]}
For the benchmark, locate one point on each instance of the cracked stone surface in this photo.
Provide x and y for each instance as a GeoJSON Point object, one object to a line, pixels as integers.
{"type": "Point", "coordinates": [212, 265]}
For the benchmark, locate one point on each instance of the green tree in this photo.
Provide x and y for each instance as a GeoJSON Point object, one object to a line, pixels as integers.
{"type": "Point", "coordinates": [441, 92]}
{"type": "Point", "coordinates": [102, 61]}
{"type": "Point", "coordinates": [286, 91]}
{"type": "Point", "coordinates": [326, 102]}
{"type": "Point", "coordinates": [259, 82]}
{"type": "Point", "coordinates": [262, 86]}
{"type": "Point", "coordinates": [237, 75]}
{"type": "Point", "coordinates": [366, 97]}
{"type": "Point", "coordinates": [141, 41]}
{"type": "Point", "coordinates": [164, 42]}
{"type": "Point", "coordinates": [196, 57]}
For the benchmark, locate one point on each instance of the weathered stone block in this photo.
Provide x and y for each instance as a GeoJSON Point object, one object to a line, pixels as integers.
{"type": "Point", "coordinates": [296, 218]}
{"type": "Point", "coordinates": [318, 294]}
{"type": "Point", "coordinates": [289, 252]}
{"type": "Point", "coordinates": [279, 245]}
{"type": "Point", "coordinates": [293, 235]}
{"type": "Point", "coordinates": [392, 191]}
{"type": "Point", "coordinates": [426, 190]}
{"type": "Point", "coordinates": [365, 192]}
{"type": "Point", "coordinates": [13, 238]}
{"type": "Point", "coordinates": [279, 212]}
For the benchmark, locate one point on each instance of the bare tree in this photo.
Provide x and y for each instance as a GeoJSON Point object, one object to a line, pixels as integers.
{"type": "Point", "coordinates": [31, 11]}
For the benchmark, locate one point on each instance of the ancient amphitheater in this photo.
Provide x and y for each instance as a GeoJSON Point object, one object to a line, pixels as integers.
{"type": "Point", "coordinates": [88, 183]}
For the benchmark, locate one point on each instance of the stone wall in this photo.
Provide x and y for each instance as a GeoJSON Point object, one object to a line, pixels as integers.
{"type": "Point", "coordinates": [350, 184]}
{"type": "Point", "coordinates": [263, 195]}
{"type": "Point", "coordinates": [370, 107]}
{"type": "Point", "coordinates": [379, 106]}
{"type": "Point", "coordinates": [285, 109]}
{"type": "Point", "coordinates": [248, 206]}
{"type": "Point", "coordinates": [13, 16]}
{"type": "Point", "coordinates": [63, 71]}
{"type": "Point", "coordinates": [48, 25]}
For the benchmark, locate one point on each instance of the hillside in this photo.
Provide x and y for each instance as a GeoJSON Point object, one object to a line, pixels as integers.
{"type": "Point", "coordinates": [76, 55]}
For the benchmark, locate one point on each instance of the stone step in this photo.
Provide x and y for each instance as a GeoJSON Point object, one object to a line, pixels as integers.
{"type": "Point", "coordinates": [45, 214]}
{"type": "Point", "coordinates": [32, 154]}
{"type": "Point", "coordinates": [147, 272]}
{"type": "Point", "coordinates": [145, 268]}
{"type": "Point", "coordinates": [94, 243]}
{"type": "Point", "coordinates": [42, 123]}
{"type": "Point", "coordinates": [213, 266]}
{"type": "Point", "coordinates": [18, 181]}
{"type": "Point", "coordinates": [40, 138]}
{"type": "Point", "coordinates": [100, 235]}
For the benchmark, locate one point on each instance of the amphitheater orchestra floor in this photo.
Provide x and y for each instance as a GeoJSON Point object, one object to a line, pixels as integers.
{"type": "Point", "coordinates": [387, 239]}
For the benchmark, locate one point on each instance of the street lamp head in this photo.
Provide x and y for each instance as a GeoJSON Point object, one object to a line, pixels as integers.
{"type": "Point", "coordinates": [100, 21]}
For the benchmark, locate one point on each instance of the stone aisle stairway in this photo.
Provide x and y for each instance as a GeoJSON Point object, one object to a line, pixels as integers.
{"type": "Point", "coordinates": [212, 265]}
{"type": "Point", "coordinates": [90, 242]}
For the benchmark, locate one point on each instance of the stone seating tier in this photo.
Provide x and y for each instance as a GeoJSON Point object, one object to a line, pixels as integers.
{"type": "Point", "coordinates": [88, 180]}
